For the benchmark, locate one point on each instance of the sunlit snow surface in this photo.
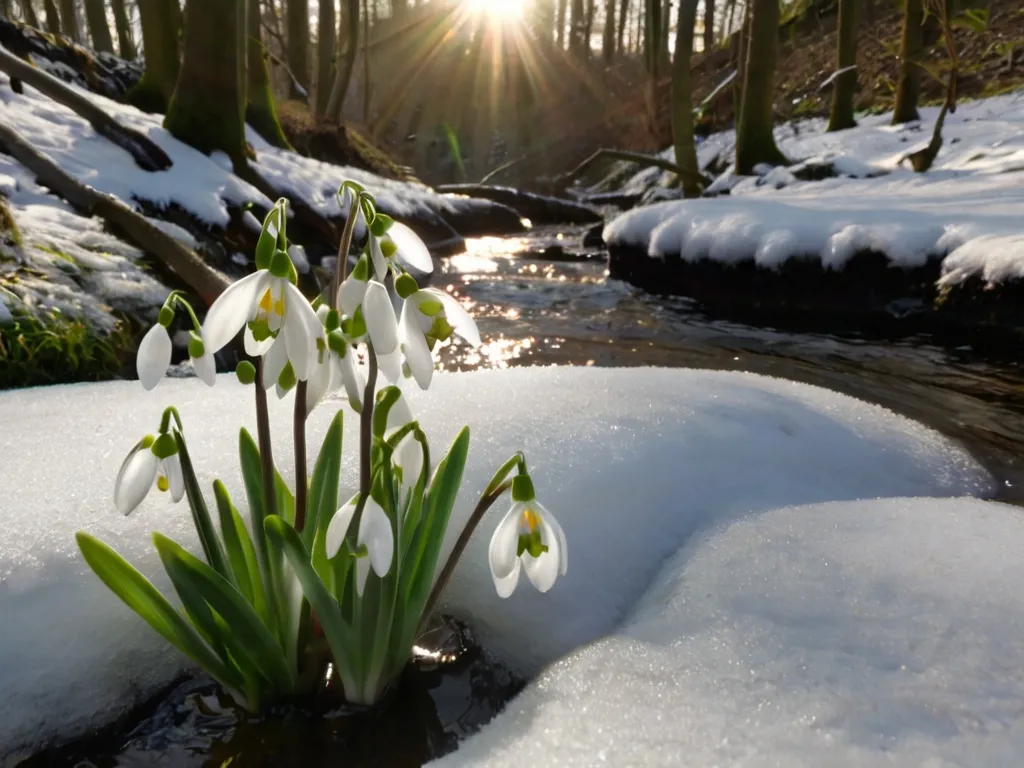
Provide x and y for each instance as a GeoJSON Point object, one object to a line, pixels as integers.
{"type": "Point", "coordinates": [967, 206]}
{"type": "Point", "coordinates": [639, 466]}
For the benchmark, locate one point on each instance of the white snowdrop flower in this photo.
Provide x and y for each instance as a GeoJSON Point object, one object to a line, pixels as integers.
{"type": "Point", "coordinates": [382, 327]}
{"type": "Point", "coordinates": [353, 288]}
{"type": "Point", "coordinates": [269, 306]}
{"type": "Point", "coordinates": [380, 262]}
{"type": "Point", "coordinates": [151, 462]}
{"type": "Point", "coordinates": [408, 457]}
{"type": "Point", "coordinates": [415, 346]}
{"type": "Point", "coordinates": [203, 363]}
{"type": "Point", "coordinates": [410, 250]}
{"type": "Point", "coordinates": [154, 357]}
{"type": "Point", "coordinates": [529, 538]}
{"type": "Point", "coordinates": [375, 534]}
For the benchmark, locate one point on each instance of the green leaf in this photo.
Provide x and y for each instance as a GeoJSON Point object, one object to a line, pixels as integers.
{"type": "Point", "coordinates": [249, 638]}
{"type": "Point", "coordinates": [139, 594]}
{"type": "Point", "coordinates": [200, 514]}
{"type": "Point", "coordinates": [241, 553]}
{"type": "Point", "coordinates": [323, 486]}
{"type": "Point", "coordinates": [328, 612]}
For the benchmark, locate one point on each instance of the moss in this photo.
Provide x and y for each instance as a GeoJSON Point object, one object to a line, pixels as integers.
{"type": "Point", "coordinates": [58, 351]}
{"type": "Point", "coordinates": [9, 229]}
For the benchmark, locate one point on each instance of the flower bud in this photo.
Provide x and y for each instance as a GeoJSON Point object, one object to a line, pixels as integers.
{"type": "Point", "coordinates": [246, 372]}
{"type": "Point", "coordinates": [522, 488]}
{"type": "Point", "coordinates": [405, 285]}
{"type": "Point", "coordinates": [166, 316]}
{"type": "Point", "coordinates": [196, 349]}
{"type": "Point", "coordinates": [281, 265]}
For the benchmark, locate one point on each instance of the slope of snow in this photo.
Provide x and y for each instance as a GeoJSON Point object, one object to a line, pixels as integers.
{"type": "Point", "coordinates": [847, 634]}
{"type": "Point", "coordinates": [968, 206]}
{"type": "Point", "coordinates": [200, 184]}
{"type": "Point", "coordinates": [634, 463]}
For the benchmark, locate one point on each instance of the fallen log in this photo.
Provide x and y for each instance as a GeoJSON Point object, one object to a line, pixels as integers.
{"type": "Point", "coordinates": [199, 276]}
{"type": "Point", "coordinates": [146, 153]}
{"type": "Point", "coordinates": [564, 180]}
{"type": "Point", "coordinates": [539, 209]}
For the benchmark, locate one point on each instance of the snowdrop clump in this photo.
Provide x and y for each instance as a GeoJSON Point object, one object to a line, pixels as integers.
{"type": "Point", "coordinates": [314, 585]}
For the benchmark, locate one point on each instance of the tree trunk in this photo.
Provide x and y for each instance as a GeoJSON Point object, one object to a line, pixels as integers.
{"type": "Point", "coordinates": [577, 26]}
{"type": "Point", "coordinates": [608, 39]}
{"type": "Point", "coordinates": [161, 26]}
{"type": "Point", "coordinates": [623, 18]}
{"type": "Point", "coordinates": [709, 25]}
{"type": "Point", "coordinates": [843, 87]}
{"type": "Point", "coordinates": [324, 55]}
{"type": "Point", "coordinates": [666, 13]}
{"type": "Point", "coordinates": [5, 9]}
{"type": "Point", "coordinates": [96, 18]}
{"type": "Point", "coordinates": [755, 142]}
{"type": "Point", "coordinates": [588, 27]}
{"type": "Point", "coordinates": [29, 12]}
{"type": "Point", "coordinates": [652, 62]}
{"type": "Point", "coordinates": [125, 45]}
{"type": "Point", "coordinates": [146, 154]}
{"type": "Point", "coordinates": [908, 88]}
{"type": "Point", "coordinates": [367, 85]}
{"type": "Point", "coordinates": [560, 25]}
{"type": "Point", "coordinates": [298, 48]}
{"type": "Point", "coordinates": [341, 81]}
{"type": "Point", "coordinates": [208, 105]}
{"type": "Point", "coordinates": [52, 17]}
{"type": "Point", "coordinates": [207, 282]}
{"type": "Point", "coordinates": [682, 99]}
{"type": "Point", "coordinates": [542, 20]}
{"type": "Point", "coordinates": [69, 20]}
{"type": "Point", "coordinates": [260, 111]}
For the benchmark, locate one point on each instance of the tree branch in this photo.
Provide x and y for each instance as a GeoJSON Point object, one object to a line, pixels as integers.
{"type": "Point", "coordinates": [564, 180]}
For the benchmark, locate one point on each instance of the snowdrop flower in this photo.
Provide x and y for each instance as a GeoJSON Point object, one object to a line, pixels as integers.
{"type": "Point", "coordinates": [150, 460]}
{"type": "Point", "coordinates": [154, 357]}
{"type": "Point", "coordinates": [527, 537]}
{"type": "Point", "coordinates": [273, 311]}
{"type": "Point", "coordinates": [429, 316]}
{"type": "Point", "coordinates": [202, 361]}
{"type": "Point", "coordinates": [382, 326]}
{"type": "Point", "coordinates": [375, 535]}
{"type": "Point", "coordinates": [409, 249]}
{"type": "Point", "coordinates": [408, 454]}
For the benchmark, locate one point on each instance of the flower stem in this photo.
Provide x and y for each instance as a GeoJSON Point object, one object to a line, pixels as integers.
{"type": "Point", "coordinates": [341, 267]}
{"type": "Point", "coordinates": [263, 437]}
{"type": "Point", "coordinates": [366, 439]}
{"type": "Point", "coordinates": [299, 438]}
{"type": "Point", "coordinates": [485, 503]}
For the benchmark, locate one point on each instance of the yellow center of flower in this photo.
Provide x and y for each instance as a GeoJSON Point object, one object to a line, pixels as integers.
{"type": "Point", "coordinates": [162, 484]}
{"type": "Point", "coordinates": [268, 305]}
{"type": "Point", "coordinates": [529, 521]}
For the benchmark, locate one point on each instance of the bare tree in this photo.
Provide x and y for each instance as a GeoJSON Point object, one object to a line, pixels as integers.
{"type": "Point", "coordinates": [682, 100]}
{"type": "Point", "coordinates": [845, 83]}
{"type": "Point", "coordinates": [69, 20]}
{"type": "Point", "coordinates": [298, 47]}
{"type": "Point", "coordinates": [325, 31]}
{"type": "Point", "coordinates": [755, 141]}
{"type": "Point", "coordinates": [344, 74]}
{"type": "Point", "coordinates": [161, 26]}
{"type": "Point", "coordinates": [96, 19]}
{"type": "Point", "coordinates": [125, 44]}
{"type": "Point", "coordinates": [608, 38]}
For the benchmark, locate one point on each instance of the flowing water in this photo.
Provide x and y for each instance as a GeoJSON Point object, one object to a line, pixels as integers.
{"type": "Point", "coordinates": [543, 299]}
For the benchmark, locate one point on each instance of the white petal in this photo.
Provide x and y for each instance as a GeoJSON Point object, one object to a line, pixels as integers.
{"type": "Point", "coordinates": [351, 295]}
{"type": "Point", "coordinates": [154, 356]}
{"type": "Point", "coordinates": [320, 381]}
{"type": "Point", "coordinates": [380, 264]}
{"type": "Point", "coordinates": [175, 477]}
{"type": "Point", "coordinates": [459, 319]}
{"type": "Point", "coordinates": [338, 527]}
{"type": "Point", "coordinates": [391, 366]}
{"type": "Point", "coordinates": [232, 310]}
{"type": "Point", "coordinates": [506, 585]}
{"type": "Point", "coordinates": [274, 363]}
{"type": "Point", "coordinates": [352, 379]}
{"type": "Point", "coordinates": [255, 348]}
{"type": "Point", "coordinates": [301, 328]}
{"type": "Point", "coordinates": [399, 415]}
{"type": "Point", "coordinates": [501, 554]}
{"type": "Point", "coordinates": [409, 456]}
{"type": "Point", "coordinates": [542, 571]}
{"type": "Point", "coordinates": [557, 535]}
{"type": "Point", "coordinates": [134, 479]}
{"type": "Point", "coordinates": [411, 250]}
{"type": "Point", "coordinates": [362, 571]}
{"type": "Point", "coordinates": [205, 368]}
{"type": "Point", "coordinates": [381, 323]}
{"type": "Point", "coordinates": [376, 535]}
{"type": "Point", "coordinates": [414, 346]}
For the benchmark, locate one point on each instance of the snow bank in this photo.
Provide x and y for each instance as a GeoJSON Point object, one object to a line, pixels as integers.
{"type": "Point", "coordinates": [969, 206]}
{"type": "Point", "coordinates": [633, 462]}
{"type": "Point", "coordinates": [200, 184]}
{"type": "Point", "coordinates": [869, 634]}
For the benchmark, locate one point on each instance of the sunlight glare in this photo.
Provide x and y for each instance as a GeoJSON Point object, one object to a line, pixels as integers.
{"type": "Point", "coordinates": [499, 10]}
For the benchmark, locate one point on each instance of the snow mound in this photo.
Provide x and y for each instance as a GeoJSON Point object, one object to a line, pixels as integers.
{"type": "Point", "coordinates": [966, 209]}
{"type": "Point", "coordinates": [633, 462]}
{"type": "Point", "coordinates": [870, 634]}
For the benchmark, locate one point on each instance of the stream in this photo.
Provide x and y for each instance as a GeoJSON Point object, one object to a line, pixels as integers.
{"type": "Point", "coordinates": [543, 299]}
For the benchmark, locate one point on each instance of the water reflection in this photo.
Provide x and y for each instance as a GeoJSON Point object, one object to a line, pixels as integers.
{"type": "Point", "coordinates": [545, 300]}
